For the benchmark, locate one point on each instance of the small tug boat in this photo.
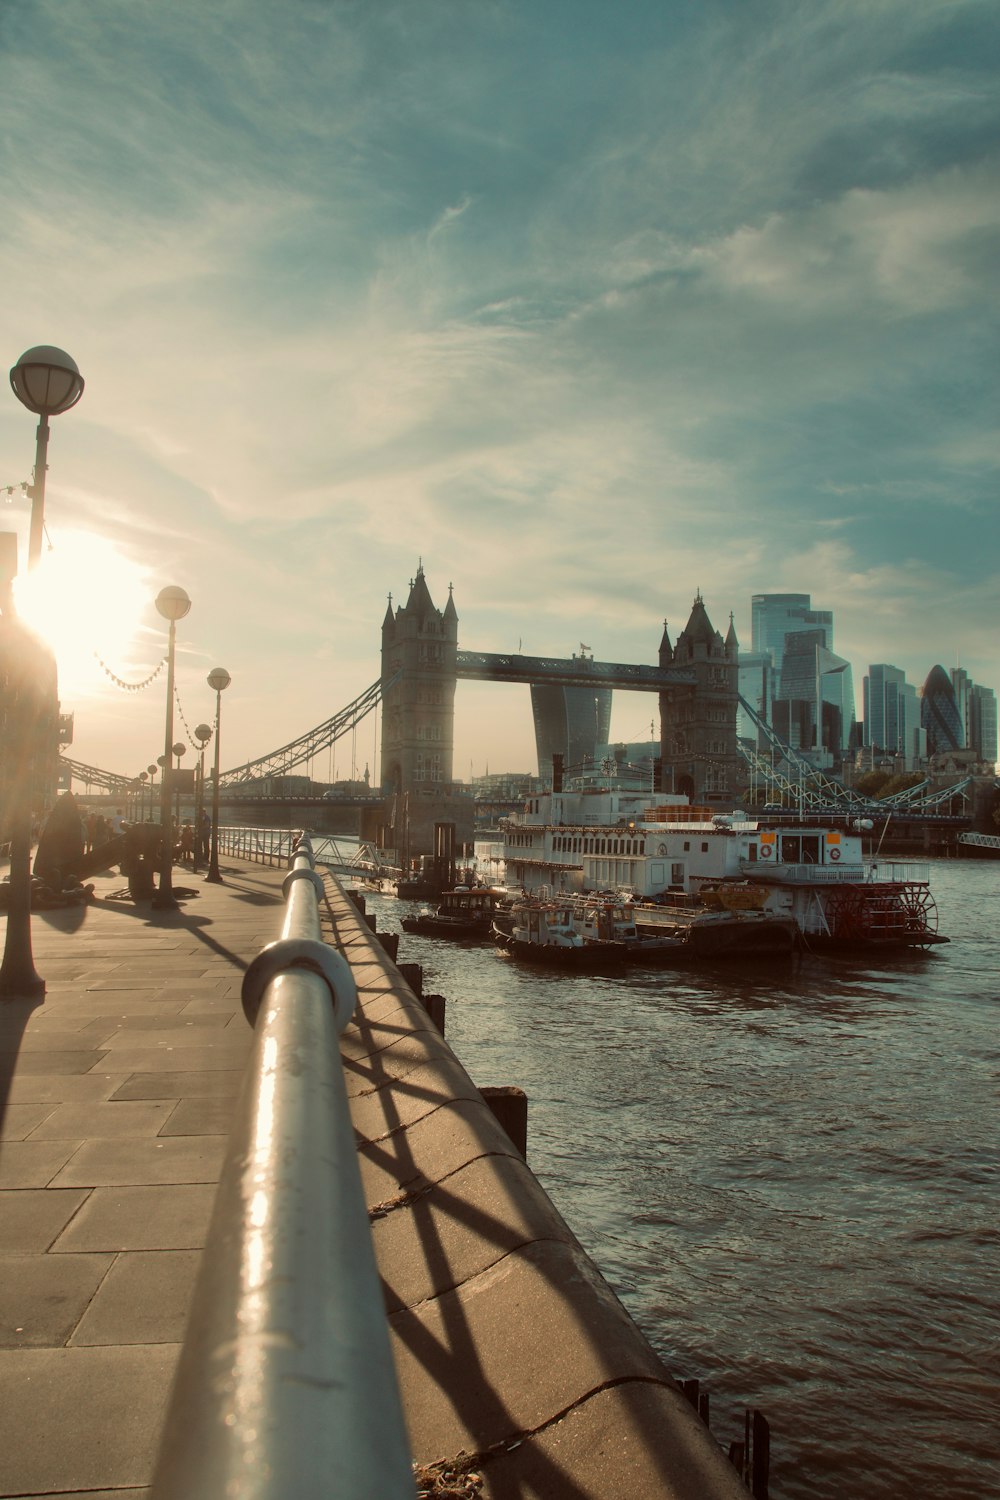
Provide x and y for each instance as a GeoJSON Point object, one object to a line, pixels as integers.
{"type": "Point", "coordinates": [676, 934]}
{"type": "Point", "coordinates": [465, 915]}
{"type": "Point", "coordinates": [543, 932]}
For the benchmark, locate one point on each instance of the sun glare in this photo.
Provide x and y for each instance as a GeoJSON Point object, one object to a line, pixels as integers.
{"type": "Point", "coordinates": [85, 597]}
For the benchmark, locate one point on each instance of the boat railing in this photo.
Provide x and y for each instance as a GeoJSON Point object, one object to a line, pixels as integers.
{"type": "Point", "coordinates": [285, 1384]}
{"type": "Point", "coordinates": [868, 871]}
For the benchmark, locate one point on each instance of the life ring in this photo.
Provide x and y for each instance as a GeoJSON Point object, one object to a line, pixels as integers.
{"type": "Point", "coordinates": [834, 855]}
{"type": "Point", "coordinates": [765, 851]}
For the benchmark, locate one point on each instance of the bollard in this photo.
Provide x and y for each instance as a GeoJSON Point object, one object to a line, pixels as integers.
{"type": "Point", "coordinates": [510, 1106]}
{"type": "Point", "coordinates": [414, 976]}
{"type": "Point", "coordinates": [390, 942]}
{"type": "Point", "coordinates": [435, 1008]}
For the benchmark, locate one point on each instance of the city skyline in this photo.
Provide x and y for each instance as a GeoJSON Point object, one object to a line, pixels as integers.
{"type": "Point", "coordinates": [588, 316]}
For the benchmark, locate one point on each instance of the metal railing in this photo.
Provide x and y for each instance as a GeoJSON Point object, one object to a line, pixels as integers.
{"type": "Point", "coordinates": [285, 1385]}
{"type": "Point", "coordinates": [870, 872]}
{"type": "Point", "coordinates": [263, 846]}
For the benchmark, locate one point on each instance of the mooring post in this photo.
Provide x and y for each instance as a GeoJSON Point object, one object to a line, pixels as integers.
{"type": "Point", "coordinates": [510, 1106]}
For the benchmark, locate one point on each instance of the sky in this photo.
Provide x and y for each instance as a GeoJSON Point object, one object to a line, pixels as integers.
{"type": "Point", "coordinates": [586, 307]}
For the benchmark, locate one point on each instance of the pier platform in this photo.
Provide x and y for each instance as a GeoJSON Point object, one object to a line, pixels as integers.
{"type": "Point", "coordinates": [519, 1369]}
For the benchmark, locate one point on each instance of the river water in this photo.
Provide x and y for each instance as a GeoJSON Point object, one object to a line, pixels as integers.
{"type": "Point", "coordinates": [788, 1173]}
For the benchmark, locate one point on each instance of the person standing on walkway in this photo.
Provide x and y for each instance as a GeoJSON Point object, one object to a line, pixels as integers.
{"type": "Point", "coordinates": [59, 857]}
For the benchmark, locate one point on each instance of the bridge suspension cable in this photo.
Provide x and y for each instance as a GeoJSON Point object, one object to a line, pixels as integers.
{"type": "Point", "coordinates": [93, 776]}
{"type": "Point", "coordinates": [314, 742]}
{"type": "Point", "coordinates": [797, 778]}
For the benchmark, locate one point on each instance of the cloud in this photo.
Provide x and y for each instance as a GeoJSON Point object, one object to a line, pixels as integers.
{"type": "Point", "coordinates": [585, 318]}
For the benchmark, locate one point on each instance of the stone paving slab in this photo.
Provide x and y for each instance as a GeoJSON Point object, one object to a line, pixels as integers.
{"type": "Point", "coordinates": [85, 1419]}
{"type": "Point", "coordinates": [143, 1299]}
{"type": "Point", "coordinates": [163, 1217]}
{"type": "Point", "coordinates": [32, 1219]}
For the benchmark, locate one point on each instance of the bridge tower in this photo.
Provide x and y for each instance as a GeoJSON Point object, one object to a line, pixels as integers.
{"type": "Point", "coordinates": [419, 647]}
{"type": "Point", "coordinates": [698, 744]}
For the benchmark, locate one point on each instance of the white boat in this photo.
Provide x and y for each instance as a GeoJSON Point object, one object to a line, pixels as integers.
{"type": "Point", "coordinates": [544, 932]}
{"type": "Point", "coordinates": [661, 851]}
{"type": "Point", "coordinates": [669, 934]}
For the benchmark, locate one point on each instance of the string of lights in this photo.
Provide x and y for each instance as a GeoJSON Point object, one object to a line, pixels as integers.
{"type": "Point", "coordinates": [130, 687]}
{"type": "Point", "coordinates": [194, 743]}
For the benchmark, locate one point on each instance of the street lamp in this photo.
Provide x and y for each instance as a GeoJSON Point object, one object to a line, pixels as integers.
{"type": "Point", "coordinates": [173, 604]}
{"type": "Point", "coordinates": [179, 749]}
{"type": "Point", "coordinates": [202, 733]}
{"type": "Point", "coordinates": [47, 381]}
{"type": "Point", "coordinates": [219, 679]}
{"type": "Point", "coordinates": [143, 778]}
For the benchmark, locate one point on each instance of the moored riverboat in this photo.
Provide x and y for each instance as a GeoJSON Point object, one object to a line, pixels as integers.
{"type": "Point", "coordinates": [464, 915]}
{"type": "Point", "coordinates": [543, 932]}
{"type": "Point", "coordinates": [658, 934]}
{"type": "Point", "coordinates": [662, 851]}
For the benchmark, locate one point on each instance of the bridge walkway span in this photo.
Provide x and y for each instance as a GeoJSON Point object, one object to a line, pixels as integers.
{"type": "Point", "coordinates": [119, 1088]}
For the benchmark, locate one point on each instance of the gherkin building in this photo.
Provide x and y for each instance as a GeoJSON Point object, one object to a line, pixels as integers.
{"type": "Point", "coordinates": [939, 714]}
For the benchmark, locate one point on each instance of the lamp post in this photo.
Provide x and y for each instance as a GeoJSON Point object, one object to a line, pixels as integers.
{"type": "Point", "coordinates": [27, 740]}
{"type": "Point", "coordinates": [152, 770]}
{"type": "Point", "coordinates": [219, 679]}
{"type": "Point", "coordinates": [47, 381]}
{"type": "Point", "coordinates": [143, 778]}
{"type": "Point", "coordinates": [178, 749]}
{"type": "Point", "coordinates": [202, 733]}
{"type": "Point", "coordinates": [173, 604]}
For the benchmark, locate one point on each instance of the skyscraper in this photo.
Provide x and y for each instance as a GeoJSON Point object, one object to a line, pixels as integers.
{"type": "Point", "coordinates": [569, 721]}
{"type": "Point", "coordinates": [939, 714]}
{"type": "Point", "coordinates": [892, 714]}
{"type": "Point", "coordinates": [775, 616]}
{"type": "Point", "coordinates": [812, 686]}
{"type": "Point", "coordinates": [983, 723]}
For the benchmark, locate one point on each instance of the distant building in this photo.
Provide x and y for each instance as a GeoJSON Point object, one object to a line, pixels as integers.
{"type": "Point", "coordinates": [892, 723]}
{"type": "Point", "coordinates": [756, 687]}
{"type": "Point", "coordinates": [814, 687]}
{"type": "Point", "coordinates": [813, 710]}
{"type": "Point", "coordinates": [983, 723]}
{"type": "Point", "coordinates": [569, 721]}
{"type": "Point", "coordinates": [774, 617]}
{"type": "Point", "coordinates": [939, 714]}
{"type": "Point", "coordinates": [961, 686]}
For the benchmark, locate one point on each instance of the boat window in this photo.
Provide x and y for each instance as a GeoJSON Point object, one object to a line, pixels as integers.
{"type": "Point", "coordinates": [752, 853]}
{"type": "Point", "coordinates": [687, 845]}
{"type": "Point", "coordinates": [704, 848]}
{"type": "Point", "coordinates": [801, 848]}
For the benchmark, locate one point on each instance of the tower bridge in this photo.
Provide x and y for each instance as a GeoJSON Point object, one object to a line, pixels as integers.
{"type": "Point", "coordinates": [695, 680]}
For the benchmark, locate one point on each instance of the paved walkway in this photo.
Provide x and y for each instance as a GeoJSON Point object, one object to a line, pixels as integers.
{"type": "Point", "coordinates": [120, 1087]}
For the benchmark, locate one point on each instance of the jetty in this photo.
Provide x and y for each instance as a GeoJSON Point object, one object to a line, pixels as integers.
{"type": "Point", "coordinates": [518, 1371]}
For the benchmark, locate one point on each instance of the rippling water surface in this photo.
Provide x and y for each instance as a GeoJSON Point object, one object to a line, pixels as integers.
{"type": "Point", "coordinates": [788, 1173]}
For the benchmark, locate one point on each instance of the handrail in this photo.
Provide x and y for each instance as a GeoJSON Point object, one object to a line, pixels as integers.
{"type": "Point", "coordinates": [286, 1385]}
{"type": "Point", "coordinates": [271, 846]}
